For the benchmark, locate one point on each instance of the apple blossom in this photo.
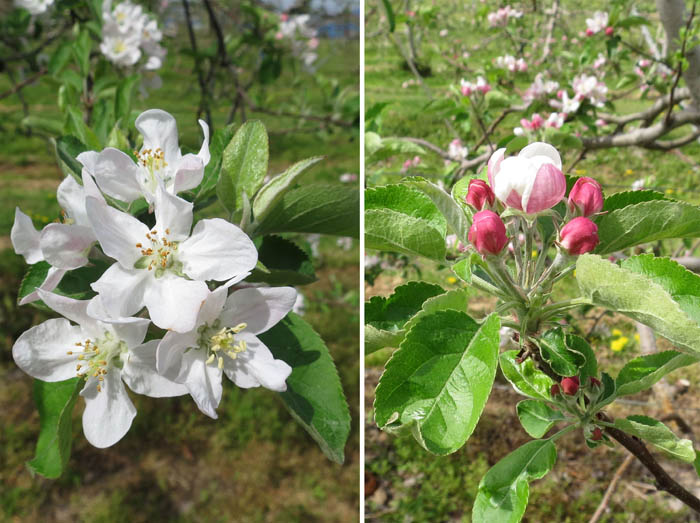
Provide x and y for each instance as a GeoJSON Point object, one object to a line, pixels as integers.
{"type": "Point", "coordinates": [579, 236]}
{"type": "Point", "coordinates": [165, 268]}
{"type": "Point", "coordinates": [586, 196]}
{"type": "Point", "coordinates": [479, 194]}
{"type": "Point", "coordinates": [223, 341]}
{"type": "Point", "coordinates": [488, 233]}
{"type": "Point", "coordinates": [555, 120]}
{"type": "Point", "coordinates": [539, 88]}
{"type": "Point", "coordinates": [590, 87]}
{"type": "Point", "coordinates": [159, 161]}
{"type": "Point", "coordinates": [457, 151]}
{"type": "Point", "coordinates": [596, 23]}
{"type": "Point", "coordinates": [530, 182]}
{"type": "Point", "coordinates": [35, 7]}
{"type": "Point", "coordinates": [106, 353]}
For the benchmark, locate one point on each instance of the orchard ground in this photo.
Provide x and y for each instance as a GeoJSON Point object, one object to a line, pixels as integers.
{"type": "Point", "coordinates": [252, 464]}
{"type": "Point", "coordinates": [405, 482]}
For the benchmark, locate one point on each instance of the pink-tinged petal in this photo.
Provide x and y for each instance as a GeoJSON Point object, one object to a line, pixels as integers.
{"type": "Point", "coordinates": [42, 351]}
{"type": "Point", "coordinates": [74, 310]}
{"type": "Point", "coordinates": [122, 291]}
{"type": "Point", "coordinates": [494, 165]}
{"type": "Point", "coordinates": [140, 374]}
{"type": "Point", "coordinates": [190, 171]}
{"type": "Point", "coordinates": [174, 214]}
{"type": "Point", "coordinates": [173, 302]}
{"type": "Point", "coordinates": [515, 175]}
{"type": "Point", "coordinates": [514, 200]}
{"type": "Point", "coordinates": [117, 175]}
{"type": "Point", "coordinates": [170, 352]}
{"type": "Point", "coordinates": [204, 150]}
{"type": "Point", "coordinates": [203, 382]}
{"type": "Point", "coordinates": [117, 232]}
{"type": "Point", "coordinates": [548, 190]}
{"type": "Point", "coordinates": [257, 367]}
{"type": "Point", "coordinates": [53, 278]}
{"type": "Point", "coordinates": [260, 308]}
{"type": "Point", "coordinates": [217, 250]}
{"type": "Point", "coordinates": [541, 149]}
{"type": "Point", "coordinates": [108, 413]}
{"type": "Point", "coordinates": [71, 197]}
{"type": "Point", "coordinates": [66, 246]}
{"type": "Point", "coordinates": [159, 130]}
{"type": "Point", "coordinates": [25, 238]}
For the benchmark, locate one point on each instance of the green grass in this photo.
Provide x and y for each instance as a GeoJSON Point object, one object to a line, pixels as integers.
{"type": "Point", "coordinates": [252, 464]}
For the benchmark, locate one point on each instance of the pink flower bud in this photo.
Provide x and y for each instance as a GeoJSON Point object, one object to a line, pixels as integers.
{"type": "Point", "coordinates": [589, 32]}
{"type": "Point", "coordinates": [479, 194]}
{"type": "Point", "coordinates": [579, 236]}
{"type": "Point", "coordinates": [488, 233]}
{"type": "Point", "coordinates": [554, 390]}
{"type": "Point", "coordinates": [587, 196]}
{"type": "Point", "coordinates": [570, 385]}
{"type": "Point", "coordinates": [609, 31]}
{"type": "Point", "coordinates": [537, 121]}
{"type": "Point", "coordinates": [597, 434]}
{"type": "Point", "coordinates": [595, 382]}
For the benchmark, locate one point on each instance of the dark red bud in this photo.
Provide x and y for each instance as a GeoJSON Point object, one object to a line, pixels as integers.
{"type": "Point", "coordinates": [570, 385]}
{"type": "Point", "coordinates": [554, 391]}
{"type": "Point", "coordinates": [595, 382]}
{"type": "Point", "coordinates": [597, 434]}
{"type": "Point", "coordinates": [479, 194]}
{"type": "Point", "coordinates": [587, 196]}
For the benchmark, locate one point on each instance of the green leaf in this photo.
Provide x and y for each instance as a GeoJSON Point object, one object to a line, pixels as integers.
{"type": "Point", "coordinates": [47, 125]}
{"type": "Point", "coordinates": [621, 200]}
{"type": "Point", "coordinates": [218, 143]}
{"type": "Point", "coordinates": [516, 144]}
{"type": "Point", "coordinates": [243, 164]}
{"type": "Point", "coordinates": [122, 100]}
{"type": "Point", "coordinates": [537, 417]}
{"type": "Point", "coordinates": [67, 150]}
{"type": "Point", "coordinates": [55, 403]}
{"type": "Point", "coordinates": [647, 221]}
{"type": "Point", "coordinates": [314, 395]}
{"type": "Point", "coordinates": [402, 219]}
{"type": "Point", "coordinates": [504, 490]}
{"type": "Point", "coordinates": [639, 297]}
{"type": "Point", "coordinates": [497, 100]}
{"type": "Point", "coordinates": [456, 299]}
{"type": "Point", "coordinates": [284, 263]}
{"type": "Point", "coordinates": [525, 377]}
{"type": "Point", "coordinates": [659, 435]}
{"type": "Point", "coordinates": [391, 313]}
{"type": "Point", "coordinates": [81, 51]}
{"type": "Point", "coordinates": [641, 373]}
{"type": "Point", "coordinates": [273, 191]}
{"type": "Point", "coordinates": [440, 378]}
{"type": "Point", "coordinates": [377, 339]}
{"type": "Point", "coordinates": [33, 278]}
{"type": "Point", "coordinates": [554, 351]}
{"type": "Point", "coordinates": [60, 57]}
{"type": "Point", "coordinates": [456, 218]}
{"type": "Point", "coordinates": [589, 367]}
{"type": "Point", "coordinates": [632, 21]}
{"type": "Point", "coordinates": [324, 209]}
{"type": "Point", "coordinates": [389, 15]}
{"type": "Point", "coordinates": [76, 126]}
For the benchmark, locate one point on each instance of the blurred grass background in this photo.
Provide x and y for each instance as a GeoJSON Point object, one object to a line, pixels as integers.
{"type": "Point", "coordinates": [252, 464]}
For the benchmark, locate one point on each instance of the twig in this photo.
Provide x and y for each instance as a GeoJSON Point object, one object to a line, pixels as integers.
{"type": "Point", "coordinates": [679, 72]}
{"type": "Point", "coordinates": [19, 86]}
{"type": "Point", "coordinates": [611, 488]}
{"type": "Point", "coordinates": [203, 103]}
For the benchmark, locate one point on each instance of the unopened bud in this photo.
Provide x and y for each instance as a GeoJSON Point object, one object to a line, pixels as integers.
{"type": "Point", "coordinates": [597, 434]}
{"type": "Point", "coordinates": [488, 233]}
{"type": "Point", "coordinates": [586, 196]}
{"type": "Point", "coordinates": [609, 31]}
{"type": "Point", "coordinates": [570, 385]}
{"type": "Point", "coordinates": [579, 236]}
{"type": "Point", "coordinates": [480, 194]}
{"type": "Point", "coordinates": [554, 390]}
{"type": "Point", "coordinates": [595, 382]}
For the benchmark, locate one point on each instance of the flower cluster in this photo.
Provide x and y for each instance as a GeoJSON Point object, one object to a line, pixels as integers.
{"type": "Point", "coordinates": [35, 7]}
{"type": "Point", "coordinates": [302, 36]}
{"type": "Point", "coordinates": [128, 33]}
{"type": "Point", "coordinates": [160, 265]}
{"type": "Point", "coordinates": [597, 23]}
{"type": "Point", "coordinates": [468, 88]}
{"type": "Point", "coordinates": [502, 15]}
{"type": "Point", "coordinates": [511, 63]}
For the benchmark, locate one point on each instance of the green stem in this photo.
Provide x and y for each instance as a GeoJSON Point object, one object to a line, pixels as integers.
{"type": "Point", "coordinates": [487, 287]}
{"type": "Point", "coordinates": [563, 431]}
{"type": "Point", "coordinates": [556, 307]}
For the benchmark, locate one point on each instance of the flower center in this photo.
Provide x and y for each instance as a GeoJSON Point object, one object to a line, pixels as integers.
{"type": "Point", "coordinates": [96, 357]}
{"type": "Point", "coordinates": [119, 46]}
{"type": "Point", "coordinates": [218, 341]}
{"type": "Point", "coordinates": [158, 253]}
{"type": "Point", "coordinates": [154, 164]}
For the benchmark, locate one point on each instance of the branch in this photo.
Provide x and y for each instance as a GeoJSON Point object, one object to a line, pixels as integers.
{"type": "Point", "coordinates": [650, 113]}
{"type": "Point", "coordinates": [550, 29]}
{"type": "Point", "coordinates": [664, 482]}
{"type": "Point", "coordinates": [17, 87]}
{"type": "Point", "coordinates": [611, 488]}
{"type": "Point", "coordinates": [203, 104]}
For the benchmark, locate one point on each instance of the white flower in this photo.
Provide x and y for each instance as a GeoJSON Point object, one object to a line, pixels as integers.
{"type": "Point", "coordinates": [165, 268]}
{"type": "Point", "coordinates": [590, 87]}
{"type": "Point", "coordinates": [539, 88]}
{"type": "Point", "coordinates": [35, 7]}
{"type": "Point", "coordinates": [64, 246]}
{"type": "Point", "coordinates": [121, 49]}
{"type": "Point", "coordinates": [159, 161]}
{"type": "Point", "coordinates": [104, 352]}
{"type": "Point", "coordinates": [555, 120]}
{"type": "Point", "coordinates": [567, 105]}
{"type": "Point", "coordinates": [457, 151]}
{"type": "Point", "coordinates": [597, 22]}
{"type": "Point", "coordinates": [223, 340]}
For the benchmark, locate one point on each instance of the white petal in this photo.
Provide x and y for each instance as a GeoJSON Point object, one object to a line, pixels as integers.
{"type": "Point", "coordinates": [88, 159]}
{"type": "Point", "coordinates": [217, 250]}
{"type": "Point", "coordinates": [204, 383]}
{"type": "Point", "coordinates": [42, 351]}
{"type": "Point", "coordinates": [66, 246]}
{"type": "Point", "coordinates": [71, 198]}
{"type": "Point", "coordinates": [74, 310]}
{"type": "Point", "coordinates": [159, 130]}
{"type": "Point", "coordinates": [90, 190]}
{"type": "Point", "coordinates": [131, 330]}
{"type": "Point", "coordinates": [257, 367]}
{"type": "Point", "coordinates": [541, 149]}
{"type": "Point", "coordinates": [169, 356]}
{"type": "Point", "coordinates": [108, 413]}
{"type": "Point", "coordinates": [190, 171]}
{"type": "Point", "coordinates": [117, 232]}
{"type": "Point", "coordinates": [121, 291]}
{"type": "Point", "coordinates": [212, 306]}
{"type": "Point", "coordinates": [140, 374]}
{"type": "Point", "coordinates": [515, 174]}
{"type": "Point", "coordinates": [173, 302]}
{"type": "Point", "coordinates": [260, 308]}
{"type": "Point", "coordinates": [172, 213]}
{"type": "Point", "coordinates": [117, 175]}
{"type": "Point", "coordinates": [25, 238]}
{"type": "Point", "coordinates": [204, 150]}
{"type": "Point", "coordinates": [53, 278]}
